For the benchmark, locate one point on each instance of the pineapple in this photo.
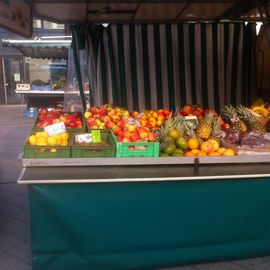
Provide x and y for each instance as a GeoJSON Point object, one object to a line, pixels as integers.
{"type": "Point", "coordinates": [216, 130]}
{"type": "Point", "coordinates": [205, 127]}
{"type": "Point", "coordinates": [250, 120]}
{"type": "Point", "coordinates": [164, 129]}
{"type": "Point", "coordinates": [229, 114]}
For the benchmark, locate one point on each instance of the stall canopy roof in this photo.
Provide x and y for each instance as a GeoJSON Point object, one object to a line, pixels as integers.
{"type": "Point", "coordinates": [40, 48]}
{"type": "Point", "coordinates": [114, 11]}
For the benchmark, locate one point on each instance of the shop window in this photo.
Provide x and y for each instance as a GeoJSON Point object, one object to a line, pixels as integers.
{"type": "Point", "coordinates": [37, 24]}
{"type": "Point", "coordinates": [53, 26]}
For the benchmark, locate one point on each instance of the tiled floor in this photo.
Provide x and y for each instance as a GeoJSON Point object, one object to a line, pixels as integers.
{"type": "Point", "coordinates": [14, 211]}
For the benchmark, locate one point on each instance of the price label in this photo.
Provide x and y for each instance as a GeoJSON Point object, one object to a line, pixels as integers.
{"type": "Point", "coordinates": [86, 137]}
{"type": "Point", "coordinates": [55, 129]}
{"type": "Point", "coordinates": [139, 115]}
{"type": "Point", "coordinates": [96, 137]}
{"type": "Point", "coordinates": [192, 120]}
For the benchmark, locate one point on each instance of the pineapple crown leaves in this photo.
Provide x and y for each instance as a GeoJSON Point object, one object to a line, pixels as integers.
{"type": "Point", "coordinates": [208, 118]}
{"type": "Point", "coordinates": [229, 113]}
{"type": "Point", "coordinates": [216, 127]}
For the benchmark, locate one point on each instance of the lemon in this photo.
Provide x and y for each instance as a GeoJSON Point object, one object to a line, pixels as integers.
{"type": "Point", "coordinates": [52, 141]}
{"type": "Point", "coordinates": [64, 136]}
{"type": "Point", "coordinates": [44, 134]}
{"type": "Point", "coordinates": [42, 141]}
{"type": "Point", "coordinates": [39, 134]}
{"type": "Point", "coordinates": [32, 140]}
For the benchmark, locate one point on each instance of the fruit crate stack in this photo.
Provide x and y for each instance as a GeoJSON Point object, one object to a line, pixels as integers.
{"type": "Point", "coordinates": [40, 145]}
{"type": "Point", "coordinates": [73, 121]}
{"type": "Point", "coordinates": [105, 148]}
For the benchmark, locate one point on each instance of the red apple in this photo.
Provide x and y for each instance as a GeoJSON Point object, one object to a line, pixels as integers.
{"type": "Point", "coordinates": [119, 138]}
{"type": "Point", "coordinates": [121, 133]}
{"type": "Point", "coordinates": [135, 137]}
{"type": "Point", "coordinates": [43, 111]}
{"type": "Point", "coordinates": [109, 124]}
{"type": "Point", "coordinates": [116, 130]}
{"type": "Point", "coordinates": [166, 112]}
{"type": "Point", "coordinates": [126, 139]}
{"type": "Point", "coordinates": [94, 110]}
{"type": "Point", "coordinates": [42, 117]}
{"type": "Point", "coordinates": [151, 137]}
{"type": "Point", "coordinates": [127, 134]}
{"type": "Point", "coordinates": [186, 110]}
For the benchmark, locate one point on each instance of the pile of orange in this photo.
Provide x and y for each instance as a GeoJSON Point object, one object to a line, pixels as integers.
{"type": "Point", "coordinates": [210, 147]}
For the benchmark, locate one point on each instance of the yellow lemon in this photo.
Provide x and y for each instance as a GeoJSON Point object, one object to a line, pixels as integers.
{"type": "Point", "coordinates": [32, 140]}
{"type": "Point", "coordinates": [42, 141]}
{"type": "Point", "coordinates": [39, 134]}
{"type": "Point", "coordinates": [52, 141]}
{"type": "Point", "coordinates": [44, 134]}
{"type": "Point", "coordinates": [64, 136]}
{"type": "Point", "coordinates": [64, 143]}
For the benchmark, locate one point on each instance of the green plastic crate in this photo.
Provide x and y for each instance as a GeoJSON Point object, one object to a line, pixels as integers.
{"type": "Point", "coordinates": [136, 149]}
{"type": "Point", "coordinates": [94, 151]}
{"type": "Point", "coordinates": [70, 130]}
{"type": "Point", "coordinates": [34, 151]}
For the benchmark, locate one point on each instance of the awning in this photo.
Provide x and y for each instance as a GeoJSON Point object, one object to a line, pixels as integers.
{"type": "Point", "coordinates": [149, 11]}
{"type": "Point", "coordinates": [40, 48]}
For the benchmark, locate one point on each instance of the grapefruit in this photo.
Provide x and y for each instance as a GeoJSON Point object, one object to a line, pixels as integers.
{"type": "Point", "coordinates": [169, 149]}
{"type": "Point", "coordinates": [181, 143]}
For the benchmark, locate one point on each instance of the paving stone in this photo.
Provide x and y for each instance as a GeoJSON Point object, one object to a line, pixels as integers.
{"type": "Point", "coordinates": [253, 261]}
{"type": "Point", "coordinates": [17, 228]}
{"type": "Point", "coordinates": [22, 251]}
{"type": "Point", "coordinates": [4, 255]}
{"type": "Point", "coordinates": [24, 216]}
{"type": "Point", "coordinates": [8, 208]}
{"type": "Point", "coordinates": [12, 263]}
{"type": "Point", "coordinates": [17, 199]}
{"type": "Point", "coordinates": [219, 266]}
{"type": "Point", "coordinates": [4, 218]}
{"type": "Point", "coordinates": [8, 241]}
{"type": "Point", "coordinates": [179, 268]}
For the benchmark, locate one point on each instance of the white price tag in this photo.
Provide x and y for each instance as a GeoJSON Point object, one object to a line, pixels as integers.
{"type": "Point", "coordinates": [55, 129]}
{"type": "Point", "coordinates": [80, 138]}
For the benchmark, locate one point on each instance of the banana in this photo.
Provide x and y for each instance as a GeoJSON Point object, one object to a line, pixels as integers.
{"type": "Point", "coordinates": [260, 110]}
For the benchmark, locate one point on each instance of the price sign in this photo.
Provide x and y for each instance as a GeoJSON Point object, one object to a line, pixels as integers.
{"type": "Point", "coordinates": [55, 129]}
{"type": "Point", "coordinates": [86, 137]}
{"type": "Point", "coordinates": [96, 137]}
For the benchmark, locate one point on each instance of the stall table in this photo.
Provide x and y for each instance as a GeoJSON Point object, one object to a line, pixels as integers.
{"type": "Point", "coordinates": [146, 213]}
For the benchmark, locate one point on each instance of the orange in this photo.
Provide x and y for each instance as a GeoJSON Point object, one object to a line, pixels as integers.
{"type": "Point", "coordinates": [195, 151]}
{"type": "Point", "coordinates": [221, 150]}
{"type": "Point", "coordinates": [193, 143]}
{"type": "Point", "coordinates": [228, 152]}
{"type": "Point", "coordinates": [214, 154]}
{"type": "Point", "coordinates": [207, 147]}
{"type": "Point", "coordinates": [201, 153]}
{"type": "Point", "coordinates": [189, 154]}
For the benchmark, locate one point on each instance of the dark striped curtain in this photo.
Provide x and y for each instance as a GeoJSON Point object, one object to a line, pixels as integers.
{"type": "Point", "coordinates": [169, 65]}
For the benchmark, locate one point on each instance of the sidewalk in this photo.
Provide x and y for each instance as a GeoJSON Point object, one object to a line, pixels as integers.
{"type": "Point", "coordinates": [14, 211]}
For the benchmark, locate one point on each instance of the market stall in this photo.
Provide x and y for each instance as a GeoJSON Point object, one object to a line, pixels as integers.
{"type": "Point", "coordinates": [140, 184]}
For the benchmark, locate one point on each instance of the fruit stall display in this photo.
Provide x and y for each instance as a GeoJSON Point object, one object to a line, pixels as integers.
{"type": "Point", "coordinates": [153, 133]}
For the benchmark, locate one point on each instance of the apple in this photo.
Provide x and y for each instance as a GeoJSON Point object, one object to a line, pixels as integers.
{"type": "Point", "coordinates": [94, 110]}
{"type": "Point", "coordinates": [119, 138]}
{"type": "Point", "coordinates": [43, 111]}
{"type": "Point", "coordinates": [109, 124]}
{"type": "Point", "coordinates": [121, 133]}
{"type": "Point", "coordinates": [127, 134]}
{"type": "Point", "coordinates": [135, 137]}
{"type": "Point", "coordinates": [186, 110]}
{"type": "Point", "coordinates": [132, 128]}
{"type": "Point", "coordinates": [103, 111]}
{"type": "Point", "coordinates": [126, 139]}
{"type": "Point", "coordinates": [87, 115]}
{"type": "Point", "coordinates": [42, 117]}
{"type": "Point", "coordinates": [166, 112]}
{"type": "Point", "coordinates": [116, 129]}
{"type": "Point", "coordinates": [151, 137]}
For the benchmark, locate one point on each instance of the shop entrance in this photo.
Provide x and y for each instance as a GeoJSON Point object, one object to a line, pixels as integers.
{"type": "Point", "coordinates": [13, 72]}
